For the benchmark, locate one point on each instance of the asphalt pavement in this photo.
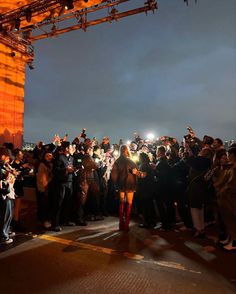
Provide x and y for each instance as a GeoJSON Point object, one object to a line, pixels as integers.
{"type": "Point", "coordinates": [100, 259]}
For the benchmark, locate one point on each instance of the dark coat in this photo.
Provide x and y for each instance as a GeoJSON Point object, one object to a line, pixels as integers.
{"type": "Point", "coordinates": [162, 172]}
{"type": "Point", "coordinates": [146, 185]}
{"type": "Point", "coordinates": [122, 176]}
{"type": "Point", "coordinates": [60, 169]}
{"type": "Point", "coordinates": [198, 191]}
{"type": "Point", "coordinates": [179, 177]}
{"type": "Point", "coordinates": [4, 190]}
{"type": "Point", "coordinates": [90, 168]}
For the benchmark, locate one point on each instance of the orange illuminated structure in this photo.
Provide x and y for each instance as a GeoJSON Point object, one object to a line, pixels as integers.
{"type": "Point", "coordinates": [12, 80]}
{"type": "Point", "coordinates": [23, 22]}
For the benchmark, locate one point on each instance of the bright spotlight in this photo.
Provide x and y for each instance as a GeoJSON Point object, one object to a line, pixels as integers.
{"type": "Point", "coordinates": [69, 5]}
{"type": "Point", "coordinates": [128, 142]}
{"type": "Point", "coordinates": [115, 153]}
{"type": "Point", "coordinates": [135, 158]}
{"type": "Point", "coordinates": [17, 24]}
{"type": "Point", "coordinates": [150, 136]}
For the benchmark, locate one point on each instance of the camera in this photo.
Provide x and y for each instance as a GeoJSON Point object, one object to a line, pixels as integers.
{"type": "Point", "coordinates": [83, 134]}
{"type": "Point", "coordinates": [188, 139]}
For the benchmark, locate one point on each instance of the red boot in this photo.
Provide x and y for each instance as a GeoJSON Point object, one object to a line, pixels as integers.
{"type": "Point", "coordinates": [121, 215]}
{"type": "Point", "coordinates": [127, 216]}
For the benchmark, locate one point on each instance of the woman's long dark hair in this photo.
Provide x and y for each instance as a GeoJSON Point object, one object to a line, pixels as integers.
{"type": "Point", "coordinates": [44, 161]}
{"type": "Point", "coordinates": [124, 151]}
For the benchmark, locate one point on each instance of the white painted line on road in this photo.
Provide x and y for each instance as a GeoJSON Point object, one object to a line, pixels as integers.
{"type": "Point", "coordinates": [112, 235]}
{"type": "Point", "coordinates": [139, 258]}
{"type": "Point", "coordinates": [170, 264]}
{"type": "Point", "coordinates": [204, 252]}
{"type": "Point", "coordinates": [91, 247]}
{"type": "Point", "coordinates": [91, 236]}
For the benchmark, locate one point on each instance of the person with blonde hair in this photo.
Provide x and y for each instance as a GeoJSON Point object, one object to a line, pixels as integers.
{"type": "Point", "coordinates": [124, 176]}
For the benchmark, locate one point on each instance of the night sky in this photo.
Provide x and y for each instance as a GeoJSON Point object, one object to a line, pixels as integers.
{"type": "Point", "coordinates": [157, 73]}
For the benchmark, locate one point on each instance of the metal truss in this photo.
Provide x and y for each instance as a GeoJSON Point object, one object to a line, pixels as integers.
{"type": "Point", "coordinates": [17, 43]}
{"type": "Point", "coordinates": [20, 38]}
{"type": "Point", "coordinates": [56, 20]}
{"type": "Point", "coordinates": [86, 17]}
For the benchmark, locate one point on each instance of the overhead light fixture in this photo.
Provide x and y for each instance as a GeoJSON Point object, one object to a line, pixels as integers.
{"type": "Point", "coordinates": [28, 15]}
{"type": "Point", "coordinates": [17, 24]}
{"type": "Point", "coordinates": [113, 11]}
{"type": "Point", "coordinates": [62, 10]}
{"type": "Point", "coordinates": [69, 5]}
{"type": "Point", "coordinates": [30, 65]}
{"type": "Point", "coordinates": [27, 34]}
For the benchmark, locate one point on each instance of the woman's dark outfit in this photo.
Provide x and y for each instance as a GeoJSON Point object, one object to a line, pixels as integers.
{"type": "Point", "coordinates": [125, 181]}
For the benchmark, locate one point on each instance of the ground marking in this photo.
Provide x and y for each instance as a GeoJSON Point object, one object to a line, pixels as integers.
{"type": "Point", "coordinates": [137, 257]}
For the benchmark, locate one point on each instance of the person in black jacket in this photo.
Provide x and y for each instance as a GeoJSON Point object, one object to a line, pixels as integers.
{"type": "Point", "coordinates": [123, 175]}
{"type": "Point", "coordinates": [198, 192]}
{"type": "Point", "coordinates": [145, 192]}
{"type": "Point", "coordinates": [179, 183]}
{"type": "Point", "coordinates": [92, 206]}
{"type": "Point", "coordinates": [164, 200]}
{"type": "Point", "coordinates": [63, 170]}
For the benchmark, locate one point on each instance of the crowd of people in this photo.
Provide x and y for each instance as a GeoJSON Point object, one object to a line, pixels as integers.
{"type": "Point", "coordinates": [79, 181]}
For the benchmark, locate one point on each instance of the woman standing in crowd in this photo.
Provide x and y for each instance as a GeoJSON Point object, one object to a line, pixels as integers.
{"type": "Point", "coordinates": [215, 178]}
{"type": "Point", "coordinates": [227, 200]}
{"type": "Point", "coordinates": [123, 175]}
{"type": "Point", "coordinates": [44, 190]}
{"type": "Point", "coordinates": [92, 206]}
{"type": "Point", "coordinates": [7, 195]}
{"type": "Point", "coordinates": [21, 168]}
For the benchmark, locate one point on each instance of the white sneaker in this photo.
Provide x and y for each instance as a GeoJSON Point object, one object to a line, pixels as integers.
{"type": "Point", "coordinates": [47, 225]}
{"type": "Point", "coordinates": [12, 234]}
{"type": "Point", "coordinates": [7, 241]}
{"type": "Point", "coordinates": [226, 241]}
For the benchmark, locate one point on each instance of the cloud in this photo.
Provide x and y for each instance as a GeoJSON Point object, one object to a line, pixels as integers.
{"type": "Point", "coordinates": [161, 72]}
